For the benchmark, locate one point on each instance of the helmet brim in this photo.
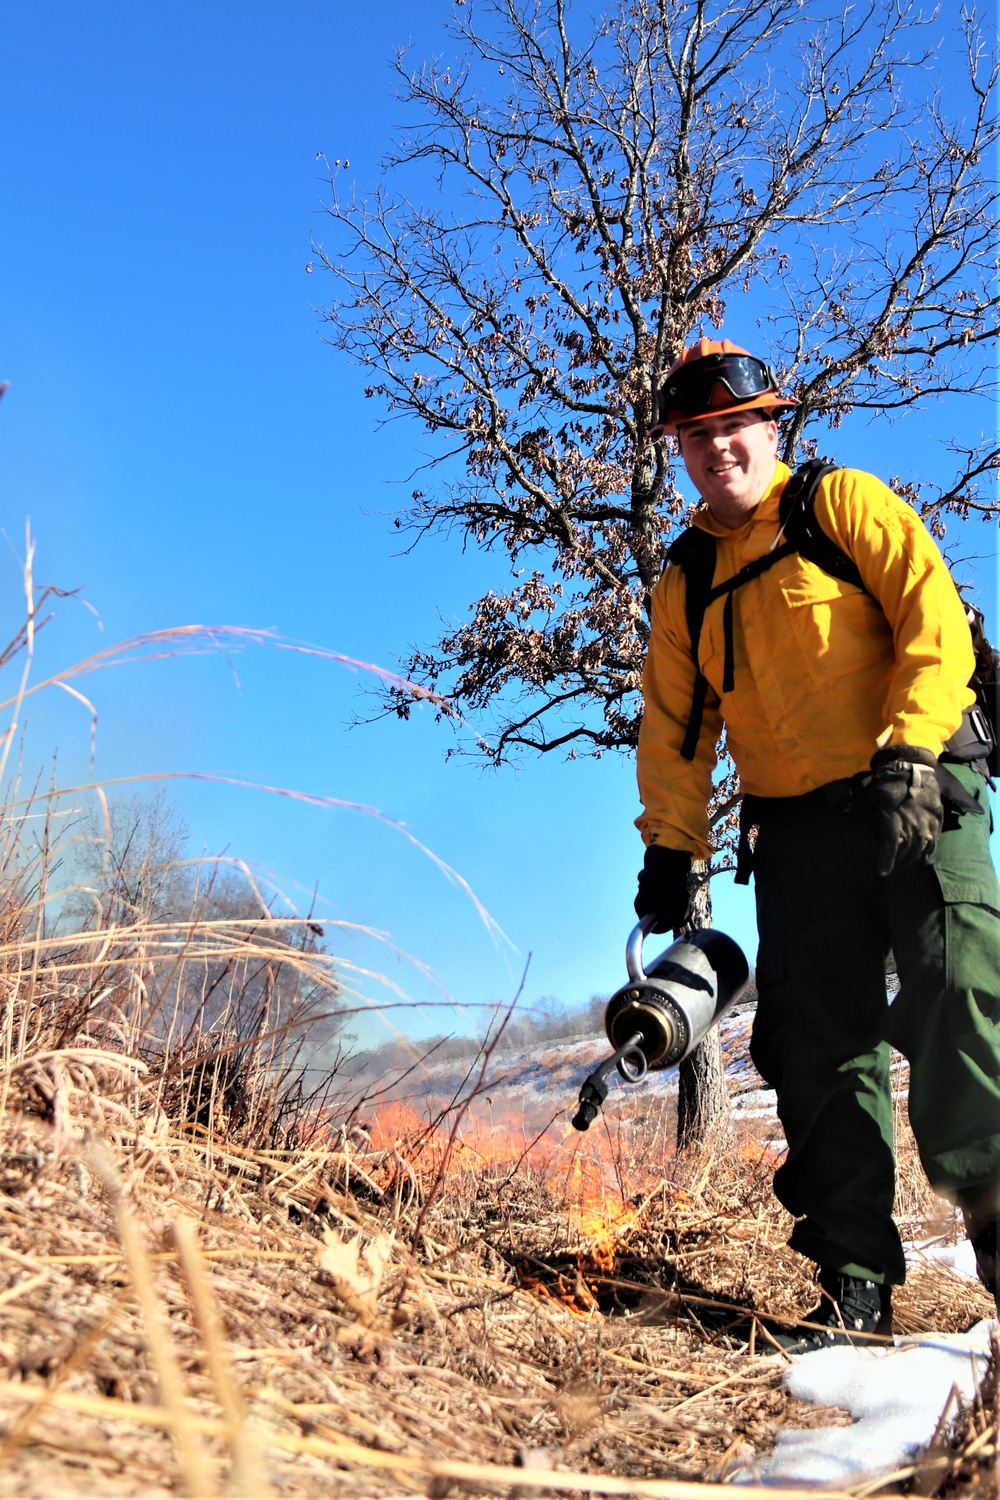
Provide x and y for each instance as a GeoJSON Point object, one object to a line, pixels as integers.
{"type": "Point", "coordinates": [769, 401]}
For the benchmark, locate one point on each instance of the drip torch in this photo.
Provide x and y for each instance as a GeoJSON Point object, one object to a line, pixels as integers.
{"type": "Point", "coordinates": [661, 1014]}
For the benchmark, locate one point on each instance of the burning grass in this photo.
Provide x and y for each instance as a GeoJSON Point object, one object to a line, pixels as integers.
{"type": "Point", "coordinates": [360, 1362]}
{"type": "Point", "coordinates": [191, 1305]}
{"type": "Point", "coordinates": [216, 1278]}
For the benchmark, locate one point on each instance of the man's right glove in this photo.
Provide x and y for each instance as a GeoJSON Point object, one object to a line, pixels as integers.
{"type": "Point", "coordinates": [906, 797]}
{"type": "Point", "coordinates": [663, 887]}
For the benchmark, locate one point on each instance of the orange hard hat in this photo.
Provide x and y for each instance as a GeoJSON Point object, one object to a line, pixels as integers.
{"type": "Point", "coordinates": [715, 375]}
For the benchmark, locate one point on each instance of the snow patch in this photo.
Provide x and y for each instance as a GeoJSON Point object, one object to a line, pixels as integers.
{"type": "Point", "coordinates": [895, 1396]}
{"type": "Point", "coordinates": [960, 1257]}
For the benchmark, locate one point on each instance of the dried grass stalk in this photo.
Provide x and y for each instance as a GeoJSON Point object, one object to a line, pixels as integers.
{"type": "Point", "coordinates": [246, 1478]}
{"type": "Point", "coordinates": [190, 1452]}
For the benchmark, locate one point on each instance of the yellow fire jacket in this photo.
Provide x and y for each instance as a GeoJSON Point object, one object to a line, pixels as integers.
{"type": "Point", "coordinates": [824, 674]}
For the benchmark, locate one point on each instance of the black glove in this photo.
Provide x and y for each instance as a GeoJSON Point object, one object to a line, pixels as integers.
{"type": "Point", "coordinates": [905, 794]}
{"type": "Point", "coordinates": [663, 887]}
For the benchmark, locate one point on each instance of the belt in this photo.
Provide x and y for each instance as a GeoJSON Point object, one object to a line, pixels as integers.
{"type": "Point", "coordinates": [841, 796]}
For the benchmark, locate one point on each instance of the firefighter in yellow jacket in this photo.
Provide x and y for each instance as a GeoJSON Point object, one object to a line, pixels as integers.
{"type": "Point", "coordinates": [843, 700]}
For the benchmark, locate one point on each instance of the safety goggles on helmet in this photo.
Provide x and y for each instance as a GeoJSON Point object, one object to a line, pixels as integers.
{"type": "Point", "coordinates": [690, 389]}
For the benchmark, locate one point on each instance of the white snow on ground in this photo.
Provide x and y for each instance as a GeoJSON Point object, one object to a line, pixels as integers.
{"type": "Point", "coordinates": [960, 1257]}
{"type": "Point", "coordinates": [896, 1397]}
{"type": "Point", "coordinates": [552, 1072]}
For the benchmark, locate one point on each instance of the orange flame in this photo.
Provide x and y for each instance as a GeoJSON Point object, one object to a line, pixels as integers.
{"type": "Point", "coordinates": [598, 1180]}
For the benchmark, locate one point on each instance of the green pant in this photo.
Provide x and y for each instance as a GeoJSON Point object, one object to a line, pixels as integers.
{"type": "Point", "coordinates": [824, 1027]}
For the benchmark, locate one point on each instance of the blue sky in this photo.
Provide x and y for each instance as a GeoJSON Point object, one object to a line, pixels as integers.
{"type": "Point", "coordinates": [188, 450]}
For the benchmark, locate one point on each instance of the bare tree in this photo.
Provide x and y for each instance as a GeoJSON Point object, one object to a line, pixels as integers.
{"type": "Point", "coordinates": [576, 199]}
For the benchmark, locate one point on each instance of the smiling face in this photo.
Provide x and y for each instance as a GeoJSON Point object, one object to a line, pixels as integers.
{"type": "Point", "coordinates": [730, 460]}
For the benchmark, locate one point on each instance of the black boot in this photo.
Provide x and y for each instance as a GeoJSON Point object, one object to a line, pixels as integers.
{"type": "Point", "coordinates": [982, 1231]}
{"type": "Point", "coordinates": [850, 1306]}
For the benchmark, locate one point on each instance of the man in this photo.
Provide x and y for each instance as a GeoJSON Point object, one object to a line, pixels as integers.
{"type": "Point", "coordinates": [839, 699]}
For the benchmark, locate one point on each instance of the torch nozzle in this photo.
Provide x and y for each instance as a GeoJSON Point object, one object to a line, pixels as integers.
{"type": "Point", "coordinates": [595, 1086]}
{"type": "Point", "coordinates": [592, 1096]}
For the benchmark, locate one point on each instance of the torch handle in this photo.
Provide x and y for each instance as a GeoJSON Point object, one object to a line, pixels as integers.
{"type": "Point", "coordinates": [633, 949]}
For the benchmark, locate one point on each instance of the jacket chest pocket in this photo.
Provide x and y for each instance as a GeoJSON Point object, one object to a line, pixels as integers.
{"type": "Point", "coordinates": [838, 627]}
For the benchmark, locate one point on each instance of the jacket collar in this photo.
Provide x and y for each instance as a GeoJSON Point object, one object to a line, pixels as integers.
{"type": "Point", "coordinates": [764, 513]}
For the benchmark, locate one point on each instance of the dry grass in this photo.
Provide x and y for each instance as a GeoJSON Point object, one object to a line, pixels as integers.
{"type": "Point", "coordinates": [192, 1302]}
{"type": "Point", "coordinates": [215, 1280]}
{"type": "Point", "coordinates": [442, 1357]}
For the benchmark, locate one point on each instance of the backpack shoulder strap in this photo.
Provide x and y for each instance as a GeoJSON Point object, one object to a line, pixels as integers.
{"type": "Point", "coordinates": [797, 511]}
{"type": "Point", "coordinates": [694, 553]}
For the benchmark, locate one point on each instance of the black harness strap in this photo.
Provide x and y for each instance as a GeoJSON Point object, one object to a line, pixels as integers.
{"type": "Point", "coordinates": [693, 730]}
{"type": "Point", "coordinates": [797, 511]}
{"type": "Point", "coordinates": [727, 590]}
{"type": "Point", "coordinates": [729, 652]}
{"type": "Point", "coordinates": [694, 553]}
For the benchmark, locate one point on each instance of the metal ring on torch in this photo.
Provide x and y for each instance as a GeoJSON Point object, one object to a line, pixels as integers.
{"type": "Point", "coordinates": [632, 1071]}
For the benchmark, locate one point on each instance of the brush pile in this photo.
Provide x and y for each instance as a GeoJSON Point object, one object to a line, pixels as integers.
{"type": "Point", "coordinates": [208, 1285]}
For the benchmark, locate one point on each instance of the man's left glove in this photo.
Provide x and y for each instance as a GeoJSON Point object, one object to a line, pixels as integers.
{"type": "Point", "coordinates": [906, 797]}
{"type": "Point", "coordinates": [663, 887]}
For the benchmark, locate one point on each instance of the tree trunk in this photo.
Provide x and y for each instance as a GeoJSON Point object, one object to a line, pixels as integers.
{"type": "Point", "coordinates": [704, 1109]}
